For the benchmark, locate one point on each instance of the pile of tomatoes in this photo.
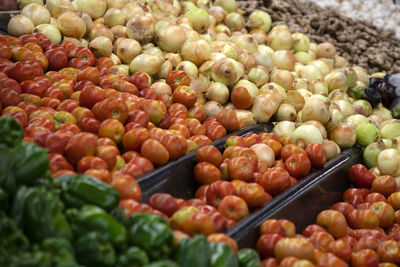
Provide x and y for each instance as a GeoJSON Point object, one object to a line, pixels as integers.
{"type": "Point", "coordinates": [362, 230]}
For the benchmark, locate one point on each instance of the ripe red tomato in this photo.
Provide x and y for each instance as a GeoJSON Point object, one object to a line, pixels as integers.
{"type": "Point", "coordinates": [197, 112]}
{"type": "Point", "coordinates": [219, 237]}
{"type": "Point", "coordinates": [254, 195]}
{"type": "Point", "coordinates": [141, 80]}
{"type": "Point", "coordinates": [57, 58]}
{"type": "Point", "coordinates": [298, 165]}
{"type": "Point", "coordinates": [206, 173]}
{"type": "Point", "coordinates": [386, 185]}
{"type": "Point", "coordinates": [201, 140]}
{"type": "Point", "coordinates": [360, 176]}
{"type": "Point", "coordinates": [58, 162]}
{"type": "Point", "coordinates": [199, 223]}
{"type": "Point", "coordinates": [363, 219]}
{"type": "Point", "coordinates": [341, 249]}
{"type": "Point", "coordinates": [274, 180]}
{"type": "Point", "coordinates": [229, 120]}
{"type": "Point", "coordinates": [321, 240]}
{"type": "Point", "coordinates": [155, 152]}
{"type": "Point", "coordinates": [5, 51]}
{"type": "Point", "coordinates": [217, 191]}
{"type": "Point", "coordinates": [164, 202]}
{"type": "Point", "coordinates": [139, 116]}
{"type": "Point", "coordinates": [241, 168]}
{"type": "Point", "coordinates": [90, 95]}
{"type": "Point", "coordinates": [175, 144]}
{"type": "Point", "coordinates": [333, 221]}
{"type": "Point", "coordinates": [290, 149]}
{"type": "Point", "coordinates": [311, 228]}
{"type": "Point", "coordinates": [266, 244]}
{"type": "Point", "coordinates": [80, 145]}
{"type": "Point", "coordinates": [134, 139]}
{"type": "Point", "coordinates": [177, 78]}
{"type": "Point", "coordinates": [84, 54]}
{"type": "Point", "coordinates": [233, 207]}
{"type": "Point", "coordinates": [235, 141]}
{"type": "Point", "coordinates": [316, 154]}
{"type": "Point", "coordinates": [209, 154]}
{"type": "Point", "coordinates": [241, 98]}
{"type": "Point", "coordinates": [27, 70]}
{"type": "Point", "coordinates": [185, 96]}
{"type": "Point", "coordinates": [364, 258]}
{"type": "Point", "coordinates": [91, 162]}
{"type": "Point", "coordinates": [104, 61]}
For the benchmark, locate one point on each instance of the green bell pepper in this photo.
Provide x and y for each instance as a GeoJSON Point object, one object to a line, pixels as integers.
{"type": "Point", "coordinates": [132, 257]}
{"type": "Point", "coordinates": [162, 263]}
{"type": "Point", "coordinates": [222, 255]}
{"type": "Point", "coordinates": [31, 259]}
{"type": "Point", "coordinates": [11, 238]}
{"type": "Point", "coordinates": [18, 204]}
{"type": "Point", "coordinates": [82, 189]}
{"type": "Point", "coordinates": [91, 218]}
{"type": "Point", "coordinates": [11, 132]}
{"type": "Point", "coordinates": [193, 252]}
{"type": "Point", "coordinates": [93, 249]}
{"type": "Point", "coordinates": [31, 162]}
{"type": "Point", "coordinates": [248, 258]}
{"type": "Point", "coordinates": [119, 215]}
{"type": "Point", "coordinates": [7, 177]}
{"type": "Point", "coordinates": [43, 216]}
{"type": "Point", "coordinates": [151, 233]}
{"type": "Point", "coordinates": [61, 251]}
{"type": "Point", "coordinates": [4, 203]}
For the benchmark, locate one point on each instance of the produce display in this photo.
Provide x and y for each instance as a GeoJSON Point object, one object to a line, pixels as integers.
{"type": "Point", "coordinates": [98, 97]}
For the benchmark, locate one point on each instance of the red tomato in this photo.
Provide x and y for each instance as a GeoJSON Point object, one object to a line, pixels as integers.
{"type": "Point", "coordinates": [175, 144]}
{"type": "Point", "coordinates": [365, 258]}
{"type": "Point", "coordinates": [58, 162]}
{"type": "Point", "coordinates": [233, 207]}
{"type": "Point", "coordinates": [201, 140]}
{"type": "Point", "coordinates": [362, 219]}
{"type": "Point", "coordinates": [241, 168]}
{"type": "Point", "coordinates": [360, 176]}
{"type": "Point", "coordinates": [254, 195]}
{"type": "Point", "coordinates": [91, 162]}
{"type": "Point", "coordinates": [141, 80]}
{"type": "Point", "coordinates": [274, 180]}
{"type": "Point", "coordinates": [164, 203]}
{"type": "Point", "coordinates": [84, 54]}
{"type": "Point", "coordinates": [185, 96]}
{"type": "Point", "coordinates": [80, 145]}
{"type": "Point", "coordinates": [209, 154]}
{"type": "Point", "coordinates": [385, 185]}
{"type": "Point", "coordinates": [229, 120]}
{"type": "Point", "coordinates": [316, 154]}
{"type": "Point", "coordinates": [27, 70]}
{"type": "Point", "coordinates": [217, 191]}
{"type": "Point", "coordinates": [266, 244]}
{"type": "Point", "coordinates": [206, 173]}
{"type": "Point", "coordinates": [199, 223]}
{"type": "Point", "coordinates": [235, 141]}
{"type": "Point", "coordinates": [155, 152]}
{"type": "Point", "coordinates": [139, 116]}
{"type": "Point", "coordinates": [321, 240]}
{"type": "Point", "coordinates": [298, 165]}
{"type": "Point", "coordinates": [333, 221]}
{"type": "Point", "coordinates": [310, 229]}
{"type": "Point", "coordinates": [177, 78]}
{"type": "Point", "coordinates": [241, 98]}
{"type": "Point", "coordinates": [57, 58]}
{"type": "Point", "coordinates": [290, 149]}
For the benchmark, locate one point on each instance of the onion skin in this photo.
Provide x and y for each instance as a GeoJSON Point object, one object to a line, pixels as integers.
{"type": "Point", "coordinates": [282, 77]}
{"type": "Point", "coordinates": [218, 92]}
{"type": "Point", "coordinates": [195, 51]}
{"type": "Point", "coordinates": [284, 59]}
{"type": "Point", "coordinates": [114, 17]}
{"type": "Point", "coordinates": [326, 50]}
{"type": "Point", "coordinates": [372, 151]}
{"type": "Point", "coordinates": [315, 109]}
{"type": "Point", "coordinates": [101, 46]}
{"type": "Point", "coordinates": [284, 128]}
{"type": "Point", "coordinates": [260, 20]}
{"type": "Point", "coordinates": [128, 49]}
{"type": "Point", "coordinates": [264, 153]}
{"type": "Point", "coordinates": [331, 148]}
{"type": "Point", "coordinates": [343, 135]}
{"type": "Point", "coordinates": [246, 117]}
{"type": "Point", "coordinates": [390, 129]}
{"type": "Point", "coordinates": [95, 8]}
{"type": "Point", "coordinates": [146, 63]}
{"type": "Point", "coordinates": [234, 21]}
{"type": "Point", "coordinates": [71, 25]}
{"type": "Point", "coordinates": [58, 7]}
{"type": "Point", "coordinates": [285, 112]}
{"type": "Point", "coordinates": [265, 105]}
{"type": "Point", "coordinates": [366, 134]}
{"type": "Point", "coordinates": [38, 14]}
{"type": "Point", "coordinates": [20, 25]}
{"type": "Point", "coordinates": [301, 43]}
{"type": "Point", "coordinates": [171, 38]}
{"type": "Point", "coordinates": [24, 3]}
{"type": "Point", "coordinates": [199, 18]}
{"type": "Point", "coordinates": [228, 5]}
{"type": "Point", "coordinates": [213, 108]}
{"type": "Point", "coordinates": [50, 31]}
{"type": "Point", "coordinates": [141, 28]}
{"type": "Point", "coordinates": [227, 71]}
{"type": "Point", "coordinates": [319, 126]}
{"type": "Point", "coordinates": [389, 162]}
{"type": "Point", "coordinates": [280, 39]}
{"type": "Point", "coordinates": [306, 134]}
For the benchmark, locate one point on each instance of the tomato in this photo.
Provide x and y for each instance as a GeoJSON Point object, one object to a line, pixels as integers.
{"type": "Point", "coordinates": [102, 175]}
{"type": "Point", "coordinates": [139, 116]}
{"type": "Point", "coordinates": [165, 122]}
{"type": "Point", "coordinates": [44, 122]}
{"type": "Point", "coordinates": [360, 176]}
{"type": "Point", "coordinates": [394, 200]}
{"type": "Point", "coordinates": [330, 260]}
{"type": "Point", "coordinates": [22, 54]}
{"type": "Point", "coordinates": [111, 108]}
{"type": "Point", "coordinates": [229, 120]}
{"type": "Point", "coordinates": [343, 207]}
{"type": "Point", "coordinates": [144, 164]}
{"type": "Point", "coordinates": [113, 129]}
{"type": "Point", "coordinates": [80, 145]}
{"type": "Point", "coordinates": [266, 244]}
{"type": "Point", "coordinates": [254, 195]}
{"type": "Point", "coordinates": [385, 185]}
{"type": "Point", "coordinates": [209, 154]}
{"type": "Point", "coordinates": [68, 46]}
{"type": "Point", "coordinates": [197, 112]}
{"type": "Point", "coordinates": [341, 249]}
{"type": "Point", "coordinates": [218, 237]}
{"type": "Point", "coordinates": [5, 51]}
{"type": "Point", "coordinates": [17, 113]}
{"type": "Point", "coordinates": [316, 154]}
{"type": "Point", "coordinates": [185, 96]}
{"type": "Point", "coordinates": [290, 149]}
{"type": "Point", "coordinates": [50, 102]}
{"type": "Point", "coordinates": [233, 207]}
{"type": "Point", "coordinates": [90, 95]}
{"type": "Point", "coordinates": [83, 53]}
{"type": "Point", "coordinates": [321, 240]}
{"type": "Point", "coordinates": [201, 140]}
{"type": "Point", "coordinates": [251, 139]}
{"type": "Point", "coordinates": [274, 180]}
{"type": "Point", "coordinates": [91, 162]}
{"type": "Point", "coordinates": [33, 47]}
{"type": "Point", "coordinates": [54, 76]}
{"type": "Point", "coordinates": [57, 58]}
{"type": "Point", "coordinates": [141, 80]}
{"type": "Point", "coordinates": [206, 173]}
{"type": "Point", "coordinates": [134, 139]}
{"type": "Point", "coordinates": [177, 78]}
{"type": "Point", "coordinates": [40, 58]}
{"type": "Point", "coordinates": [182, 129]}
{"type": "Point", "coordinates": [241, 168]}
{"type": "Point", "coordinates": [217, 191]}
{"type": "Point", "coordinates": [235, 141]}
{"type": "Point", "coordinates": [27, 70]}
{"type": "Point", "coordinates": [294, 246]}
{"type": "Point", "coordinates": [58, 162]}
{"type": "Point", "coordinates": [148, 93]}
{"type": "Point", "coordinates": [365, 258]}
{"type": "Point", "coordinates": [104, 61]}
{"type": "Point", "coordinates": [31, 87]}
{"type": "Point", "coordinates": [124, 86]}
{"type": "Point", "coordinates": [164, 203]}
{"type": "Point", "coordinates": [362, 219]}
{"type": "Point", "coordinates": [177, 107]}
{"type": "Point", "coordinates": [333, 221]}
{"type": "Point", "coordinates": [298, 165]}
{"type": "Point", "coordinates": [155, 152]}
{"type": "Point", "coordinates": [199, 223]}
{"type": "Point", "coordinates": [312, 228]}
{"type": "Point", "coordinates": [175, 144]}
{"type": "Point", "coordinates": [241, 98]}
{"type": "Point", "coordinates": [374, 197]}
{"type": "Point", "coordinates": [385, 213]}
{"type": "Point", "coordinates": [355, 196]}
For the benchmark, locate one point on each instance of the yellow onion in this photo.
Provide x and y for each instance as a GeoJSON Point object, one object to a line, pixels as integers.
{"type": "Point", "coordinates": [322, 66]}
{"type": "Point", "coordinates": [24, 3]}
{"type": "Point", "coordinates": [264, 57]}
{"type": "Point", "coordinates": [351, 76]}
{"type": "Point", "coordinates": [58, 7]}
{"type": "Point", "coordinates": [259, 76]}
{"type": "Point", "coordinates": [280, 40]}
{"type": "Point", "coordinates": [218, 92]}
{"type": "Point", "coordinates": [383, 112]}
{"type": "Point", "coordinates": [120, 70]}
{"type": "Point", "coordinates": [315, 109]}
{"type": "Point", "coordinates": [171, 38]}
{"type": "Point", "coordinates": [228, 5]}
{"type": "Point", "coordinates": [306, 134]}
{"type": "Point", "coordinates": [50, 31]}
{"type": "Point", "coordinates": [200, 85]}
{"type": "Point", "coordinates": [161, 88]}
{"type": "Point", "coordinates": [119, 4]}
{"type": "Point", "coordinates": [247, 59]}
{"type": "Point", "coordinates": [101, 46]}
{"type": "Point", "coordinates": [339, 95]}
{"type": "Point", "coordinates": [119, 31]}
{"type": "Point", "coordinates": [221, 28]}
{"type": "Point", "coordinates": [390, 129]}
{"type": "Point", "coordinates": [246, 117]}
{"type": "Point", "coordinates": [251, 87]}
{"type": "Point", "coordinates": [20, 25]}
{"type": "Point", "coordinates": [187, 6]}
{"type": "Point", "coordinates": [319, 87]}
{"type": "Point", "coordinates": [146, 63]}
{"type": "Point", "coordinates": [343, 135]}
{"type": "Point", "coordinates": [300, 42]}
{"type": "Point", "coordinates": [195, 51]}
{"type": "Point", "coordinates": [234, 21]}
{"type": "Point", "coordinates": [303, 57]}
{"type": "Point", "coordinates": [282, 77]}
{"type": "Point", "coordinates": [336, 119]}
{"type": "Point", "coordinates": [336, 80]}
{"type": "Point", "coordinates": [245, 41]}
{"type": "Point", "coordinates": [141, 28]}
{"type": "Point", "coordinates": [95, 8]}
{"type": "Point", "coordinates": [185, 22]}
{"type": "Point", "coordinates": [205, 68]}
{"type": "Point", "coordinates": [284, 59]}
{"type": "Point", "coordinates": [285, 112]}
{"type": "Point", "coordinates": [133, 9]}
{"type": "Point", "coordinates": [260, 36]}
{"type": "Point", "coordinates": [362, 107]}
{"type": "Point", "coordinates": [86, 18]}
{"type": "Point", "coordinates": [310, 73]}
{"type": "Point", "coordinates": [175, 59]}
{"type": "Point", "coordinates": [75, 41]}
{"type": "Point", "coordinates": [295, 99]}
{"type": "Point", "coordinates": [389, 162]}
{"type": "Point", "coordinates": [38, 14]}
{"type": "Point", "coordinates": [165, 69]}
{"type": "Point", "coordinates": [341, 62]}
{"type": "Point", "coordinates": [71, 25]}
{"type": "Point", "coordinates": [199, 18]}
{"type": "Point", "coordinates": [229, 51]}
{"type": "Point", "coordinates": [319, 126]}
{"type": "Point", "coordinates": [356, 120]}
{"type": "Point", "coordinates": [265, 105]}
{"type": "Point", "coordinates": [127, 50]}
{"type": "Point", "coordinates": [227, 71]}
{"type": "Point", "coordinates": [331, 148]}
{"type": "Point", "coordinates": [115, 59]}
{"type": "Point", "coordinates": [153, 51]}
{"type": "Point", "coordinates": [213, 108]}
{"type": "Point", "coordinates": [271, 88]}
{"type": "Point", "coordinates": [114, 17]}
{"type": "Point", "coordinates": [305, 93]}
{"type": "Point", "coordinates": [218, 13]}
{"type": "Point", "coordinates": [326, 50]}
{"type": "Point", "coordinates": [345, 107]}
{"type": "Point", "coordinates": [260, 20]}
{"type": "Point", "coordinates": [216, 56]}
{"type": "Point", "coordinates": [301, 83]}
{"type": "Point", "coordinates": [84, 42]}
{"type": "Point", "coordinates": [100, 30]}
{"type": "Point", "coordinates": [189, 68]}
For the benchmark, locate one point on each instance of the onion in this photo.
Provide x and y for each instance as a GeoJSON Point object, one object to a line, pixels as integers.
{"type": "Point", "coordinates": [247, 59]}
{"type": "Point", "coordinates": [71, 25]}
{"type": "Point", "coordinates": [165, 69]}
{"type": "Point", "coordinates": [58, 7]}
{"type": "Point", "coordinates": [338, 95]}
{"type": "Point", "coordinates": [218, 92]}
{"type": "Point", "coordinates": [141, 28]}
{"type": "Point", "coordinates": [153, 51]}
{"type": "Point", "coordinates": [376, 120]}
{"type": "Point", "coordinates": [351, 76]}
{"type": "Point", "coordinates": [115, 59]}
{"type": "Point", "coordinates": [306, 134]}
{"type": "Point", "coordinates": [326, 50]}
{"type": "Point", "coordinates": [246, 117]}
{"type": "Point", "coordinates": [260, 20]}
{"type": "Point", "coordinates": [227, 71]}
{"type": "Point", "coordinates": [356, 120]}
{"type": "Point", "coordinates": [114, 17]}
{"type": "Point", "coordinates": [221, 28]}
{"type": "Point", "coordinates": [390, 129]}
{"type": "Point", "coordinates": [336, 80]}
{"type": "Point", "coordinates": [199, 18]}
{"type": "Point", "coordinates": [119, 4]}
{"type": "Point", "coordinates": [146, 63]}
{"type": "Point", "coordinates": [362, 74]}
{"type": "Point", "coordinates": [265, 106]}
{"type": "Point", "coordinates": [175, 59]}
{"type": "Point", "coordinates": [189, 68]}
{"type": "Point", "coordinates": [300, 42]}
{"type": "Point", "coordinates": [120, 70]}
{"type": "Point", "coordinates": [345, 107]}
{"type": "Point", "coordinates": [389, 162]}
{"type": "Point", "coordinates": [310, 72]}
{"type": "Point", "coordinates": [245, 41]}
{"type": "Point", "coordinates": [367, 133]}
{"type": "Point", "coordinates": [195, 51]}
{"type": "Point", "coordinates": [280, 40]}
{"type": "Point", "coordinates": [23, 3]}
{"type": "Point", "coordinates": [259, 76]}
{"type": "Point", "coordinates": [101, 46]}
{"type": "Point", "coordinates": [284, 128]}
{"type": "Point", "coordinates": [171, 38]}
{"type": "Point", "coordinates": [303, 57]}
{"type": "Point", "coordinates": [273, 88]}
{"type": "Point", "coordinates": [362, 107]}
{"type": "Point", "coordinates": [301, 83]}
{"type": "Point", "coordinates": [284, 59]}
{"type": "Point", "coordinates": [95, 8]}
{"type": "Point", "coordinates": [38, 14]}
{"type": "Point", "coordinates": [331, 148]}
{"type": "Point", "coordinates": [343, 135]}
{"type": "Point", "coordinates": [319, 87]}
{"type": "Point", "coordinates": [264, 153]}
{"type": "Point", "coordinates": [161, 88]}
{"type": "Point", "coordinates": [127, 50]}
{"type": "Point", "coordinates": [133, 9]}
{"type": "Point", "coordinates": [372, 151]}
{"type": "Point", "coordinates": [282, 77]}
{"type": "Point", "coordinates": [234, 21]}
{"type": "Point", "coordinates": [218, 13]}
{"type": "Point", "coordinates": [20, 25]}
{"type": "Point", "coordinates": [251, 87]}
{"type": "Point", "coordinates": [260, 36]}
{"type": "Point", "coordinates": [341, 62]}
{"type": "Point", "coordinates": [199, 84]}
{"type": "Point", "coordinates": [383, 112]}
{"type": "Point", "coordinates": [319, 126]}
{"type": "Point", "coordinates": [295, 99]}
{"type": "Point", "coordinates": [315, 109]}
{"type": "Point", "coordinates": [285, 112]}
{"type": "Point", "coordinates": [119, 31]}
{"type": "Point", "coordinates": [50, 31]}
{"type": "Point", "coordinates": [304, 93]}
{"type": "Point", "coordinates": [213, 108]}
{"type": "Point", "coordinates": [264, 57]}
{"type": "Point", "coordinates": [100, 30]}
{"type": "Point", "coordinates": [322, 65]}
{"type": "Point", "coordinates": [228, 5]}
{"type": "Point", "coordinates": [229, 51]}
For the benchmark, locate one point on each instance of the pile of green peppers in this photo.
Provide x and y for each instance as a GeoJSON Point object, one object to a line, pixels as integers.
{"type": "Point", "coordinates": [75, 220]}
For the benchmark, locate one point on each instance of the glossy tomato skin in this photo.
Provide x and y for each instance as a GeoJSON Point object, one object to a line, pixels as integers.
{"type": "Point", "coordinates": [58, 162]}
{"type": "Point", "coordinates": [360, 176]}
{"type": "Point", "coordinates": [385, 185]}
{"type": "Point", "coordinates": [333, 221]}
{"type": "Point", "coordinates": [184, 95]}
{"type": "Point", "coordinates": [363, 219]}
{"type": "Point", "coordinates": [241, 98]}
{"type": "Point", "coordinates": [298, 165]}
{"type": "Point", "coordinates": [164, 202]}
{"type": "Point", "coordinates": [234, 141]}
{"type": "Point", "coordinates": [229, 120]}
{"type": "Point", "coordinates": [175, 144]}
{"type": "Point", "coordinates": [316, 154]}
{"type": "Point", "coordinates": [57, 58]}
{"type": "Point", "coordinates": [91, 162]}
{"type": "Point", "coordinates": [177, 78]}
{"type": "Point", "coordinates": [290, 149]}
{"type": "Point", "coordinates": [275, 180]}
{"type": "Point", "coordinates": [206, 173]}
{"type": "Point", "coordinates": [80, 145]}
{"type": "Point", "coordinates": [84, 54]}
{"type": "Point", "coordinates": [266, 244]}
{"type": "Point", "coordinates": [27, 70]}
{"type": "Point", "coordinates": [312, 228]}
{"type": "Point", "coordinates": [199, 223]}
{"type": "Point", "coordinates": [241, 168]}
{"type": "Point", "coordinates": [217, 191]}
{"type": "Point", "coordinates": [155, 152]}
{"type": "Point", "coordinates": [141, 80]}
{"type": "Point", "coordinates": [355, 196]}
{"type": "Point", "coordinates": [365, 258]}
{"type": "Point", "coordinates": [254, 195]}
{"type": "Point", "coordinates": [233, 207]}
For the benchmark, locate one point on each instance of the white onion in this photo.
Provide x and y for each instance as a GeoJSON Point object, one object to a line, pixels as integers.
{"type": "Point", "coordinates": [284, 128]}
{"type": "Point", "coordinates": [71, 25]}
{"type": "Point", "coordinates": [146, 63]}
{"type": "Point", "coordinates": [101, 46]}
{"type": "Point", "coordinates": [58, 7]}
{"type": "Point", "coordinates": [24, 3]}
{"type": "Point", "coordinates": [38, 14]}
{"type": "Point", "coordinates": [20, 25]}
{"type": "Point", "coordinates": [128, 49]}
{"type": "Point", "coordinates": [95, 8]}
{"type": "Point", "coordinates": [308, 134]}
{"type": "Point", "coordinates": [171, 38]}
{"type": "Point", "coordinates": [389, 162]}
{"type": "Point", "coordinates": [213, 108]}
{"type": "Point", "coordinates": [218, 92]}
